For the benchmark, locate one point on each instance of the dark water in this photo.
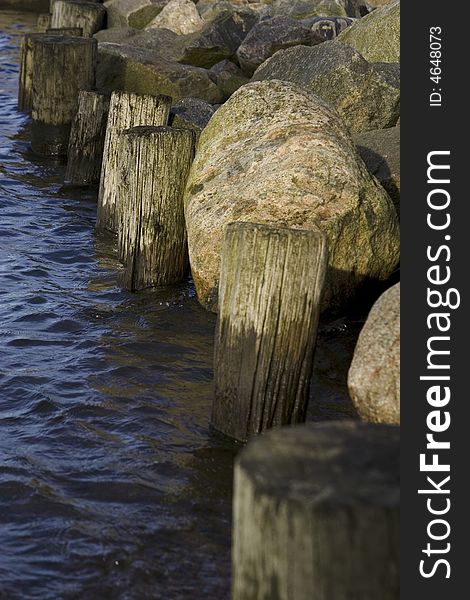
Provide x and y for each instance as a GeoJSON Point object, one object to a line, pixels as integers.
{"type": "Point", "coordinates": [111, 484]}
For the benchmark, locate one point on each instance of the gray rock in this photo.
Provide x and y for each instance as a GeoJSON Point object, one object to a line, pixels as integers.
{"type": "Point", "coordinates": [377, 36]}
{"type": "Point", "coordinates": [374, 376]}
{"type": "Point", "coordinates": [191, 113]}
{"type": "Point", "coordinates": [164, 43]}
{"type": "Point", "coordinates": [211, 9]}
{"type": "Point", "coordinates": [328, 27]}
{"type": "Point", "coordinates": [116, 35]}
{"type": "Point", "coordinates": [219, 39]}
{"type": "Point", "coordinates": [228, 76]}
{"type": "Point", "coordinates": [179, 16]}
{"type": "Point", "coordinates": [270, 35]}
{"type": "Point", "coordinates": [277, 154]}
{"type": "Point", "coordinates": [302, 9]}
{"type": "Point", "coordinates": [380, 150]}
{"type": "Point", "coordinates": [133, 69]}
{"type": "Point", "coordinates": [366, 95]}
{"type": "Point", "coordinates": [132, 13]}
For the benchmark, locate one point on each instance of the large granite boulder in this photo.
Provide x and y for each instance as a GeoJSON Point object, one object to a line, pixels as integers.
{"type": "Point", "coordinates": [132, 13]}
{"type": "Point", "coordinates": [374, 376]}
{"type": "Point", "coordinates": [277, 154]}
{"type": "Point", "coordinates": [366, 95]}
{"type": "Point", "coordinates": [376, 36]}
{"type": "Point", "coordinates": [380, 151]}
{"type": "Point", "coordinates": [133, 69]}
{"type": "Point", "coordinates": [180, 16]}
{"type": "Point", "coordinates": [218, 40]}
{"type": "Point", "coordinates": [270, 35]}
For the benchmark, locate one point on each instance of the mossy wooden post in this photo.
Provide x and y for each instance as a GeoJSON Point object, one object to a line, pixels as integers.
{"type": "Point", "coordinates": [63, 66]}
{"type": "Point", "coordinates": [270, 288]}
{"type": "Point", "coordinates": [43, 22]}
{"type": "Point", "coordinates": [25, 84]}
{"type": "Point", "coordinates": [85, 152]}
{"type": "Point", "coordinates": [126, 110]}
{"type": "Point", "coordinates": [152, 241]}
{"type": "Point", "coordinates": [89, 16]}
{"type": "Point", "coordinates": [67, 31]}
{"type": "Point", "coordinates": [316, 514]}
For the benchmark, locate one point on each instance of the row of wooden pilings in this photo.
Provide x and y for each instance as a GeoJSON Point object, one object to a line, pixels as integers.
{"type": "Point", "coordinates": [315, 506]}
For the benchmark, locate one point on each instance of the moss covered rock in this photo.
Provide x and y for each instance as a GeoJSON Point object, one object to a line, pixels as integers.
{"type": "Point", "coordinates": [132, 13]}
{"type": "Point", "coordinates": [180, 16]}
{"type": "Point", "coordinates": [366, 95]}
{"type": "Point", "coordinates": [376, 36]}
{"type": "Point", "coordinates": [133, 69]}
{"type": "Point", "coordinates": [277, 154]}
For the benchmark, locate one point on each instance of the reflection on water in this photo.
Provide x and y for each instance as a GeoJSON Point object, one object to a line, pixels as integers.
{"type": "Point", "coordinates": [111, 483]}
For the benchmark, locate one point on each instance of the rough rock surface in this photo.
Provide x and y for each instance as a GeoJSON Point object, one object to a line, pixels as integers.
{"type": "Point", "coordinates": [116, 35]}
{"type": "Point", "coordinates": [218, 40]}
{"type": "Point", "coordinates": [132, 69]}
{"type": "Point", "coordinates": [366, 95]}
{"type": "Point", "coordinates": [132, 13]}
{"type": "Point", "coordinates": [277, 154]}
{"type": "Point", "coordinates": [380, 151]}
{"type": "Point", "coordinates": [210, 9]}
{"type": "Point", "coordinates": [376, 36]}
{"type": "Point", "coordinates": [191, 113]}
{"type": "Point", "coordinates": [301, 9]}
{"type": "Point", "coordinates": [228, 77]}
{"type": "Point", "coordinates": [374, 376]}
{"type": "Point", "coordinates": [270, 35]}
{"type": "Point", "coordinates": [180, 16]}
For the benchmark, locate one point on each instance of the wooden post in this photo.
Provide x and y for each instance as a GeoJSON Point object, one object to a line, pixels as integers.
{"type": "Point", "coordinates": [126, 110]}
{"type": "Point", "coordinates": [73, 13]}
{"type": "Point", "coordinates": [316, 514]}
{"type": "Point", "coordinates": [52, 2]}
{"type": "Point", "coordinates": [62, 67]}
{"type": "Point", "coordinates": [85, 152]}
{"type": "Point", "coordinates": [43, 23]}
{"type": "Point", "coordinates": [25, 84]}
{"type": "Point", "coordinates": [270, 288]}
{"type": "Point", "coordinates": [152, 241]}
{"type": "Point", "coordinates": [67, 31]}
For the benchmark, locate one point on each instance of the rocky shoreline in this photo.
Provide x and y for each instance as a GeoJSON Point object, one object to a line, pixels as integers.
{"type": "Point", "coordinates": [296, 108]}
{"type": "Point", "coordinates": [283, 199]}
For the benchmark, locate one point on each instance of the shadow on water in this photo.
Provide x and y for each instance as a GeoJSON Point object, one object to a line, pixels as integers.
{"type": "Point", "coordinates": [112, 484]}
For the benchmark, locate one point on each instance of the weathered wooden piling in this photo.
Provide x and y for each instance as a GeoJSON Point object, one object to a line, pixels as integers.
{"type": "Point", "coordinates": [316, 514]}
{"type": "Point", "coordinates": [52, 2]}
{"type": "Point", "coordinates": [126, 110]}
{"type": "Point", "coordinates": [152, 241]}
{"type": "Point", "coordinates": [63, 66]}
{"type": "Point", "coordinates": [85, 151]}
{"type": "Point", "coordinates": [25, 84]}
{"type": "Point", "coordinates": [270, 288]}
{"type": "Point", "coordinates": [43, 22]}
{"type": "Point", "coordinates": [67, 31]}
{"type": "Point", "coordinates": [89, 16]}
